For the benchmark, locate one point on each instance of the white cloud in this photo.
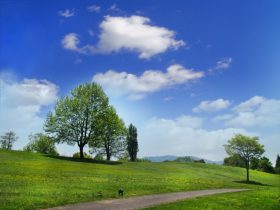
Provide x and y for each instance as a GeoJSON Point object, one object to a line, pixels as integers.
{"type": "Point", "coordinates": [250, 105]}
{"type": "Point", "coordinates": [256, 112]}
{"type": "Point", "coordinates": [221, 65]}
{"type": "Point", "coordinates": [22, 103]}
{"type": "Point", "coordinates": [114, 8]}
{"type": "Point", "coordinates": [184, 136]}
{"type": "Point", "coordinates": [94, 8]}
{"type": "Point", "coordinates": [212, 106]}
{"type": "Point", "coordinates": [137, 87]}
{"type": "Point", "coordinates": [67, 13]}
{"type": "Point", "coordinates": [70, 42]}
{"type": "Point", "coordinates": [224, 63]}
{"type": "Point", "coordinates": [133, 33]}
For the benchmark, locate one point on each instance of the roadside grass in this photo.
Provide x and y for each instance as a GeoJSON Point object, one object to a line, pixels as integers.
{"type": "Point", "coordinates": [264, 198]}
{"type": "Point", "coordinates": [34, 181]}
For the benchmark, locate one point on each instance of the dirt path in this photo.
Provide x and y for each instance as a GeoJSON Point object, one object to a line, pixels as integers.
{"type": "Point", "coordinates": [142, 201]}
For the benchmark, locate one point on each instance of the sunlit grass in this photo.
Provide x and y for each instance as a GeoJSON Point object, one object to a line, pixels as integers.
{"type": "Point", "coordinates": [32, 181]}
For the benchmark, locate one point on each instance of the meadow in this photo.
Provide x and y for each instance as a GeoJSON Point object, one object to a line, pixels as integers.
{"type": "Point", "coordinates": [34, 181]}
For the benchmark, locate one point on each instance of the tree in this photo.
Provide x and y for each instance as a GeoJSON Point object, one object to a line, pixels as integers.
{"type": "Point", "coordinates": [132, 143]}
{"type": "Point", "coordinates": [265, 165]}
{"type": "Point", "coordinates": [110, 134]}
{"type": "Point", "coordinates": [77, 155]}
{"type": "Point", "coordinates": [41, 143]}
{"type": "Point", "coordinates": [277, 165]}
{"type": "Point", "coordinates": [246, 147]}
{"type": "Point", "coordinates": [74, 118]}
{"type": "Point", "coordinates": [8, 139]}
{"type": "Point", "coordinates": [235, 160]}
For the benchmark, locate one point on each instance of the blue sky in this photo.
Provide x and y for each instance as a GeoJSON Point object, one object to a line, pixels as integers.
{"type": "Point", "coordinates": [188, 74]}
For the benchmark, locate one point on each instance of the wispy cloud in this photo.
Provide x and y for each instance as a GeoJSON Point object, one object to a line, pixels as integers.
{"type": "Point", "coordinates": [67, 13]}
{"type": "Point", "coordinates": [256, 112]}
{"type": "Point", "coordinates": [94, 8]}
{"type": "Point", "coordinates": [221, 65]}
{"type": "Point", "coordinates": [114, 8]}
{"type": "Point", "coordinates": [212, 106]}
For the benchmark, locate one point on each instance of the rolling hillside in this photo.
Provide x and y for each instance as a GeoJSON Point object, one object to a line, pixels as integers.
{"type": "Point", "coordinates": [33, 181]}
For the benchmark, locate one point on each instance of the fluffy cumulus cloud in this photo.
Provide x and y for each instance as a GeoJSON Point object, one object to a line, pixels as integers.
{"type": "Point", "coordinates": [185, 135]}
{"type": "Point", "coordinates": [67, 13]}
{"type": "Point", "coordinates": [137, 87]}
{"type": "Point", "coordinates": [256, 112]}
{"type": "Point", "coordinates": [212, 106]}
{"type": "Point", "coordinates": [133, 33]}
{"type": "Point", "coordinates": [22, 103]}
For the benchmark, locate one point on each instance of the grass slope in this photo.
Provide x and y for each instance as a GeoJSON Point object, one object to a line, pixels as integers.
{"type": "Point", "coordinates": [32, 181]}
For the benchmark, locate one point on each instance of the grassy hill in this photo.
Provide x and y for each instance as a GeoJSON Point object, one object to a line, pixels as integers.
{"type": "Point", "coordinates": [32, 181]}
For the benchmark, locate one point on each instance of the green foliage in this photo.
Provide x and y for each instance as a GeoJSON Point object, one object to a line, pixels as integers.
{"type": "Point", "coordinates": [98, 157]}
{"type": "Point", "coordinates": [74, 118]}
{"type": "Point", "coordinates": [184, 159]}
{"type": "Point", "coordinates": [265, 165]}
{"type": "Point", "coordinates": [235, 160]}
{"type": "Point", "coordinates": [110, 134]}
{"type": "Point", "coordinates": [132, 143]}
{"type": "Point", "coordinates": [199, 161]}
{"type": "Point", "coordinates": [77, 155]}
{"type": "Point", "coordinates": [7, 140]}
{"type": "Point", "coordinates": [41, 143]}
{"type": "Point", "coordinates": [245, 146]}
{"type": "Point", "coordinates": [262, 164]}
{"type": "Point", "coordinates": [143, 160]}
{"type": "Point", "coordinates": [277, 165]}
{"type": "Point", "coordinates": [34, 181]}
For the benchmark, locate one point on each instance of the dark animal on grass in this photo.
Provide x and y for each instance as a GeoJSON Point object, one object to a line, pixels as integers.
{"type": "Point", "coordinates": [120, 191]}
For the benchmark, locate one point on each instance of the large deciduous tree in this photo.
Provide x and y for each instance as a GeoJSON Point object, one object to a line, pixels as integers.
{"type": "Point", "coordinates": [132, 143]}
{"type": "Point", "coordinates": [8, 139]}
{"type": "Point", "coordinates": [245, 146]}
{"type": "Point", "coordinates": [110, 133]}
{"type": "Point", "coordinates": [74, 118]}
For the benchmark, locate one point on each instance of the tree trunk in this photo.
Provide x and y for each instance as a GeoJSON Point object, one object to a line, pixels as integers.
{"type": "Point", "coordinates": [247, 170]}
{"type": "Point", "coordinates": [82, 152]}
{"type": "Point", "coordinates": [108, 156]}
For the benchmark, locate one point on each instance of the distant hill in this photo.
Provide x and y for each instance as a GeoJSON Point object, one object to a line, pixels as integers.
{"type": "Point", "coordinates": [173, 157]}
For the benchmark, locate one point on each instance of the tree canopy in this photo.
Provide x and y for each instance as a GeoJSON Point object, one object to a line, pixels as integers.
{"type": "Point", "coordinates": [8, 139]}
{"type": "Point", "coordinates": [73, 120]}
{"type": "Point", "coordinates": [41, 143]}
{"type": "Point", "coordinates": [132, 143]}
{"type": "Point", "coordinates": [245, 146]}
{"type": "Point", "coordinates": [110, 134]}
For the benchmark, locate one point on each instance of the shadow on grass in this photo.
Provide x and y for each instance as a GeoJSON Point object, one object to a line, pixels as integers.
{"type": "Point", "coordinates": [252, 182]}
{"type": "Point", "coordinates": [85, 160]}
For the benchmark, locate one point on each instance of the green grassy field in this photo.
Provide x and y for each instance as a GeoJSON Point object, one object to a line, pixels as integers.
{"type": "Point", "coordinates": [33, 181]}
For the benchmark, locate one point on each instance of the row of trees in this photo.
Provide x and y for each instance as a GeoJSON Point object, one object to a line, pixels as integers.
{"type": "Point", "coordinates": [83, 118]}
{"type": "Point", "coordinates": [86, 118]}
{"type": "Point", "coordinates": [245, 151]}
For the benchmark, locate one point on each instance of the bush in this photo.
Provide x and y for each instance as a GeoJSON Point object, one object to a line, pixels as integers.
{"type": "Point", "coordinates": [77, 155]}
{"type": "Point", "coordinates": [143, 160]}
{"type": "Point", "coordinates": [199, 161]}
{"type": "Point", "coordinates": [41, 143]}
